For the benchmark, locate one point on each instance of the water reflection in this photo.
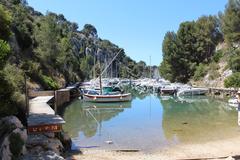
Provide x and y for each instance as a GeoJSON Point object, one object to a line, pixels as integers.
{"type": "Point", "coordinates": [197, 119]}
{"type": "Point", "coordinates": [86, 117]}
{"type": "Point", "coordinates": [150, 122]}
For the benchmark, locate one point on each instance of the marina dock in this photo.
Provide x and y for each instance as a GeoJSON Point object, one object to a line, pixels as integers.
{"type": "Point", "coordinates": [42, 117]}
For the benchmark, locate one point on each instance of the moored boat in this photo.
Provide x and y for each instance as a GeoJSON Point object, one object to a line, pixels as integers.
{"type": "Point", "coordinates": [168, 90]}
{"type": "Point", "coordinates": [192, 91]}
{"type": "Point", "coordinates": [233, 102]}
{"type": "Point", "coordinates": [107, 98]}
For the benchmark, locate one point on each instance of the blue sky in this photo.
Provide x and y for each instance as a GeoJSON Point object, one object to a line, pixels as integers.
{"type": "Point", "coordinates": [138, 26]}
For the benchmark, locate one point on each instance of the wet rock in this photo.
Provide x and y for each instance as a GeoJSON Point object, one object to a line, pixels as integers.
{"type": "Point", "coordinates": [66, 141]}
{"type": "Point", "coordinates": [71, 158]}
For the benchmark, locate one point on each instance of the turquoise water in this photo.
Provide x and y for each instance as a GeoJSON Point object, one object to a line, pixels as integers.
{"type": "Point", "coordinates": [149, 122]}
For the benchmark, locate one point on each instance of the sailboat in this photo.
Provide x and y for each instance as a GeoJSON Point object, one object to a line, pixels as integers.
{"type": "Point", "coordinates": [109, 97]}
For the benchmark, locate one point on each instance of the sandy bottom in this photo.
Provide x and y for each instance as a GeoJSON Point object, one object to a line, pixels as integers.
{"type": "Point", "coordinates": [222, 149]}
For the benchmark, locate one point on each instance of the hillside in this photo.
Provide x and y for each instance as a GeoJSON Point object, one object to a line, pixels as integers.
{"type": "Point", "coordinates": [52, 52]}
{"type": "Point", "coordinates": [205, 52]}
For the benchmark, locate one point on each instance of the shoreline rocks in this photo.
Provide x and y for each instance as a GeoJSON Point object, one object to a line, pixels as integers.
{"type": "Point", "coordinates": [49, 146]}
{"type": "Point", "coordinates": [13, 137]}
{"type": "Point", "coordinates": [15, 143]}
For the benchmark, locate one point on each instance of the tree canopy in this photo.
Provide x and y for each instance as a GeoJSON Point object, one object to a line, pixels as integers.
{"type": "Point", "coordinates": [194, 43]}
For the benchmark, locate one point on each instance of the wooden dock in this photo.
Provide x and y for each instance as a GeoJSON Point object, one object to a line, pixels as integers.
{"type": "Point", "coordinates": [38, 105]}
{"type": "Point", "coordinates": [42, 117]}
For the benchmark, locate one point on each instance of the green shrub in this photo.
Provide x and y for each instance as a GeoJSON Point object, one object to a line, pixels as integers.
{"type": "Point", "coordinates": [233, 80]}
{"type": "Point", "coordinates": [234, 61]}
{"type": "Point", "coordinates": [213, 66]}
{"type": "Point", "coordinates": [48, 83]}
{"type": "Point", "coordinates": [4, 51]}
{"type": "Point", "coordinates": [14, 76]}
{"type": "Point", "coordinates": [217, 56]}
{"type": "Point", "coordinates": [6, 20]}
{"type": "Point", "coordinates": [200, 72]}
{"type": "Point", "coordinates": [213, 71]}
{"type": "Point", "coordinates": [7, 106]}
{"type": "Point", "coordinates": [16, 144]}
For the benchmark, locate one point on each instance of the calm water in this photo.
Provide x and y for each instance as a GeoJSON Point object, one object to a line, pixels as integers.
{"type": "Point", "coordinates": [150, 122]}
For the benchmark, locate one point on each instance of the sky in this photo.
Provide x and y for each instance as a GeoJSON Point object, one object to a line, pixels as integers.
{"type": "Point", "coordinates": [138, 26]}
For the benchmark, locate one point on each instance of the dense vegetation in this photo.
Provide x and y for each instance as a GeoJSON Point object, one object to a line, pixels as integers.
{"type": "Point", "coordinates": [52, 52]}
{"type": "Point", "coordinates": [191, 52]}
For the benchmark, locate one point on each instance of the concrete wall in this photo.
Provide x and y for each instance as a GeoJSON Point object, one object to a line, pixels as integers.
{"type": "Point", "coordinates": [33, 94]}
{"type": "Point", "coordinates": [62, 96]}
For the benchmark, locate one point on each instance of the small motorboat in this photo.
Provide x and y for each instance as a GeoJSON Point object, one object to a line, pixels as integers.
{"type": "Point", "coordinates": [192, 91]}
{"type": "Point", "coordinates": [233, 102]}
{"type": "Point", "coordinates": [168, 90]}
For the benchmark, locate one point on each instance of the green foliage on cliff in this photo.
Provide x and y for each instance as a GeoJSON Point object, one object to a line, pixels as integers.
{"type": "Point", "coordinates": [194, 43]}
{"type": "Point", "coordinates": [231, 21]}
{"type": "Point", "coordinates": [200, 72]}
{"type": "Point", "coordinates": [52, 52]}
{"type": "Point", "coordinates": [4, 51]}
{"type": "Point", "coordinates": [233, 80]}
{"type": "Point", "coordinates": [234, 61]}
{"type": "Point", "coordinates": [5, 21]}
{"type": "Point", "coordinates": [7, 104]}
{"type": "Point", "coordinates": [190, 53]}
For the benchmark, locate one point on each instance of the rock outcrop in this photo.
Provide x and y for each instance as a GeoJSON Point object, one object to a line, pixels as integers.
{"type": "Point", "coordinates": [12, 138]}
{"type": "Point", "coordinates": [16, 144]}
{"type": "Point", "coordinates": [47, 146]}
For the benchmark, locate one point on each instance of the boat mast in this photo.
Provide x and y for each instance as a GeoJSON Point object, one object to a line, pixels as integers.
{"type": "Point", "coordinates": [111, 61]}
{"type": "Point", "coordinates": [100, 78]}
{"type": "Point", "coordinates": [94, 68]}
{"type": "Point", "coordinates": [150, 69]}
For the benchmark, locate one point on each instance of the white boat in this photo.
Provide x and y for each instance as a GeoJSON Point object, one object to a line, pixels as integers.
{"type": "Point", "coordinates": [107, 98]}
{"type": "Point", "coordinates": [192, 91]}
{"type": "Point", "coordinates": [112, 94]}
{"type": "Point", "coordinates": [168, 90]}
{"type": "Point", "coordinates": [233, 102]}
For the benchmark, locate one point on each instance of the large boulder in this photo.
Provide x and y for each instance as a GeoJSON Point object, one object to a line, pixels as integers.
{"type": "Point", "coordinates": [66, 141]}
{"type": "Point", "coordinates": [40, 142]}
{"type": "Point", "coordinates": [12, 138]}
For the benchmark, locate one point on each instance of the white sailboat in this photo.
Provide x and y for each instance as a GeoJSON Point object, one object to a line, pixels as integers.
{"type": "Point", "coordinates": [101, 97]}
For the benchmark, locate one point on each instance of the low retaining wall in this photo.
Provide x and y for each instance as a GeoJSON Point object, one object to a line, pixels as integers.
{"type": "Point", "coordinates": [223, 91]}
{"type": "Point", "coordinates": [32, 94]}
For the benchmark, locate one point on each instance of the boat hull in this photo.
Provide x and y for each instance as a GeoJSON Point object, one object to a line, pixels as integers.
{"type": "Point", "coordinates": [165, 91]}
{"type": "Point", "coordinates": [192, 92]}
{"type": "Point", "coordinates": [107, 98]}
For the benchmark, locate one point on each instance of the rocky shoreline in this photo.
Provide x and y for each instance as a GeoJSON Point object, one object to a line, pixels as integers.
{"type": "Point", "coordinates": [15, 143]}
